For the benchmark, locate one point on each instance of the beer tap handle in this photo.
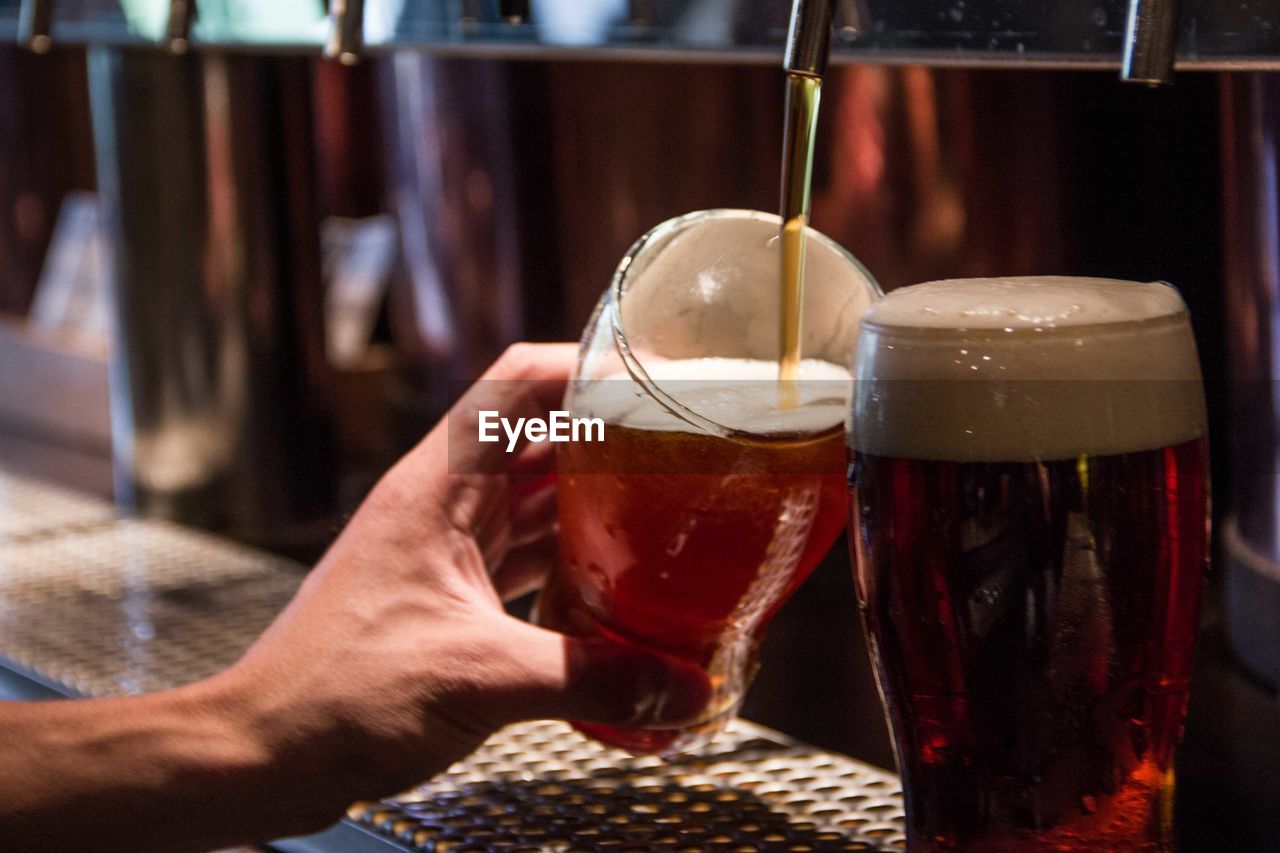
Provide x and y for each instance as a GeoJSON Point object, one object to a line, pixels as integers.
{"type": "Point", "coordinates": [809, 37]}
{"type": "Point", "coordinates": [346, 31]}
{"type": "Point", "coordinates": [514, 11]}
{"type": "Point", "coordinates": [35, 23]}
{"type": "Point", "coordinates": [1150, 42]}
{"type": "Point", "coordinates": [177, 29]}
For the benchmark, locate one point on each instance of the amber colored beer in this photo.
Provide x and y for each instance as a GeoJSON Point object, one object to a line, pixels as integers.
{"type": "Point", "coordinates": [1034, 624]}
{"type": "Point", "coordinates": [688, 543]}
{"type": "Point", "coordinates": [1030, 496]}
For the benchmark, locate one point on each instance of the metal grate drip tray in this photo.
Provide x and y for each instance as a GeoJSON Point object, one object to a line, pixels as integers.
{"type": "Point", "coordinates": [543, 787]}
{"type": "Point", "coordinates": [99, 605]}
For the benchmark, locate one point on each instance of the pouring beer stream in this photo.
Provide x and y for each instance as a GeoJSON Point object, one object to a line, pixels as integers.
{"type": "Point", "coordinates": [808, 43]}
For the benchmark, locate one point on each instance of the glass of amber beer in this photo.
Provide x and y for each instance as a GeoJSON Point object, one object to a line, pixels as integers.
{"type": "Point", "coordinates": [1030, 525]}
{"type": "Point", "coordinates": [709, 500]}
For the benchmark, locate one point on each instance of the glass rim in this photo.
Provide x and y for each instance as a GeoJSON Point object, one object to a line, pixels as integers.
{"type": "Point", "coordinates": [618, 288]}
{"type": "Point", "coordinates": [945, 334]}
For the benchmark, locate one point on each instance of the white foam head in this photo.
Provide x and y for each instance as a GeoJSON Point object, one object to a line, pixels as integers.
{"type": "Point", "coordinates": [1051, 302]}
{"type": "Point", "coordinates": [741, 394]}
{"type": "Point", "coordinates": [1019, 369]}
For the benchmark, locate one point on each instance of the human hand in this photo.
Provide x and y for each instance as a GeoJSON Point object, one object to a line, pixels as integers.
{"type": "Point", "coordinates": [396, 658]}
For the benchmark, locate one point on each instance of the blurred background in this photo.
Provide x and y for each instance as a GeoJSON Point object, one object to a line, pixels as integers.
{"type": "Point", "coordinates": [238, 278]}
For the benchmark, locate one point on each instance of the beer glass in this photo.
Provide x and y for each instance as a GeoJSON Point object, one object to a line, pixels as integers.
{"type": "Point", "coordinates": [1030, 524]}
{"type": "Point", "coordinates": [708, 501]}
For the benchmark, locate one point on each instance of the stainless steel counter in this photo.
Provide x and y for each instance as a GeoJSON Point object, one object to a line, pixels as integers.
{"type": "Point", "coordinates": [94, 604]}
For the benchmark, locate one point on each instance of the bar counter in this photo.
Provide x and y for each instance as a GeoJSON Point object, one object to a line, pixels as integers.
{"type": "Point", "coordinates": [95, 604]}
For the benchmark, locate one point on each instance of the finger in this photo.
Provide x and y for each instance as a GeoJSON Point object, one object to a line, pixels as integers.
{"type": "Point", "coordinates": [533, 516]}
{"type": "Point", "coordinates": [597, 680]}
{"type": "Point", "coordinates": [535, 461]}
{"type": "Point", "coordinates": [528, 381]}
{"type": "Point", "coordinates": [501, 524]}
{"type": "Point", "coordinates": [503, 527]}
{"type": "Point", "coordinates": [525, 569]}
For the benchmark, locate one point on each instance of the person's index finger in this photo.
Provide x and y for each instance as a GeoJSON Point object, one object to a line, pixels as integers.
{"type": "Point", "coordinates": [486, 427]}
{"type": "Point", "coordinates": [535, 361]}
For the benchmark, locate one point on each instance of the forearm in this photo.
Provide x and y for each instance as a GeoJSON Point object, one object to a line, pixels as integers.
{"type": "Point", "coordinates": [184, 769]}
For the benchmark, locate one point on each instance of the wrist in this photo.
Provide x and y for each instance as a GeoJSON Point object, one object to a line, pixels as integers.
{"type": "Point", "coordinates": [300, 740]}
{"type": "Point", "coordinates": [218, 726]}
{"type": "Point", "coordinates": [232, 751]}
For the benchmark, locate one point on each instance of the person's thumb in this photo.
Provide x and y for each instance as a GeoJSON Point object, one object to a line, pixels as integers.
{"type": "Point", "coordinates": [599, 681]}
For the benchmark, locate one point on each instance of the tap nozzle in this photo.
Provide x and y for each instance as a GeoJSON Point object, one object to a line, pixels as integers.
{"type": "Point", "coordinates": [1150, 42]}
{"type": "Point", "coordinates": [514, 11]}
{"type": "Point", "coordinates": [346, 31]}
{"type": "Point", "coordinates": [809, 37]}
{"type": "Point", "coordinates": [35, 24]}
{"type": "Point", "coordinates": [177, 29]}
{"type": "Point", "coordinates": [852, 18]}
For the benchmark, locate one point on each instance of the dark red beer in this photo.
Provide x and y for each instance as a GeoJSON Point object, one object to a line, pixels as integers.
{"type": "Point", "coordinates": [1040, 618]}
{"type": "Point", "coordinates": [688, 544]}
{"type": "Point", "coordinates": [1030, 526]}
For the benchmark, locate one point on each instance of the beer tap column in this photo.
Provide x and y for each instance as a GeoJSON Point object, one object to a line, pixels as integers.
{"type": "Point", "coordinates": [217, 375]}
{"type": "Point", "coordinates": [1251, 216]}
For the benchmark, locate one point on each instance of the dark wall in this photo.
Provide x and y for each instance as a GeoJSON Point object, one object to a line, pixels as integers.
{"type": "Point", "coordinates": [46, 149]}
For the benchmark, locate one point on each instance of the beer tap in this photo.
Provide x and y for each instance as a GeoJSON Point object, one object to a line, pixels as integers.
{"type": "Point", "coordinates": [514, 11]}
{"type": "Point", "coordinates": [1150, 42]}
{"type": "Point", "coordinates": [852, 17]}
{"type": "Point", "coordinates": [346, 31]}
{"type": "Point", "coordinates": [177, 29]}
{"type": "Point", "coordinates": [35, 23]}
{"type": "Point", "coordinates": [470, 14]}
{"type": "Point", "coordinates": [809, 37]}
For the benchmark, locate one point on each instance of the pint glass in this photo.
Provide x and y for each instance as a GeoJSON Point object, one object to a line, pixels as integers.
{"type": "Point", "coordinates": [708, 501]}
{"type": "Point", "coordinates": [1029, 520]}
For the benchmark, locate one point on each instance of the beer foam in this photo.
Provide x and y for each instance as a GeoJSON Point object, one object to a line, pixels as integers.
{"type": "Point", "coordinates": [1024, 303]}
{"type": "Point", "coordinates": [1024, 369]}
{"type": "Point", "coordinates": [738, 393]}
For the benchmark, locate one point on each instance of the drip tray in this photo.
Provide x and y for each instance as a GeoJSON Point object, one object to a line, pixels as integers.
{"type": "Point", "coordinates": [96, 605]}
{"type": "Point", "coordinates": [543, 787]}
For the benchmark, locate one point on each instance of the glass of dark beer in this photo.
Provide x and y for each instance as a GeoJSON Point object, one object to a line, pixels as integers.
{"type": "Point", "coordinates": [709, 500]}
{"type": "Point", "coordinates": [1030, 526]}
